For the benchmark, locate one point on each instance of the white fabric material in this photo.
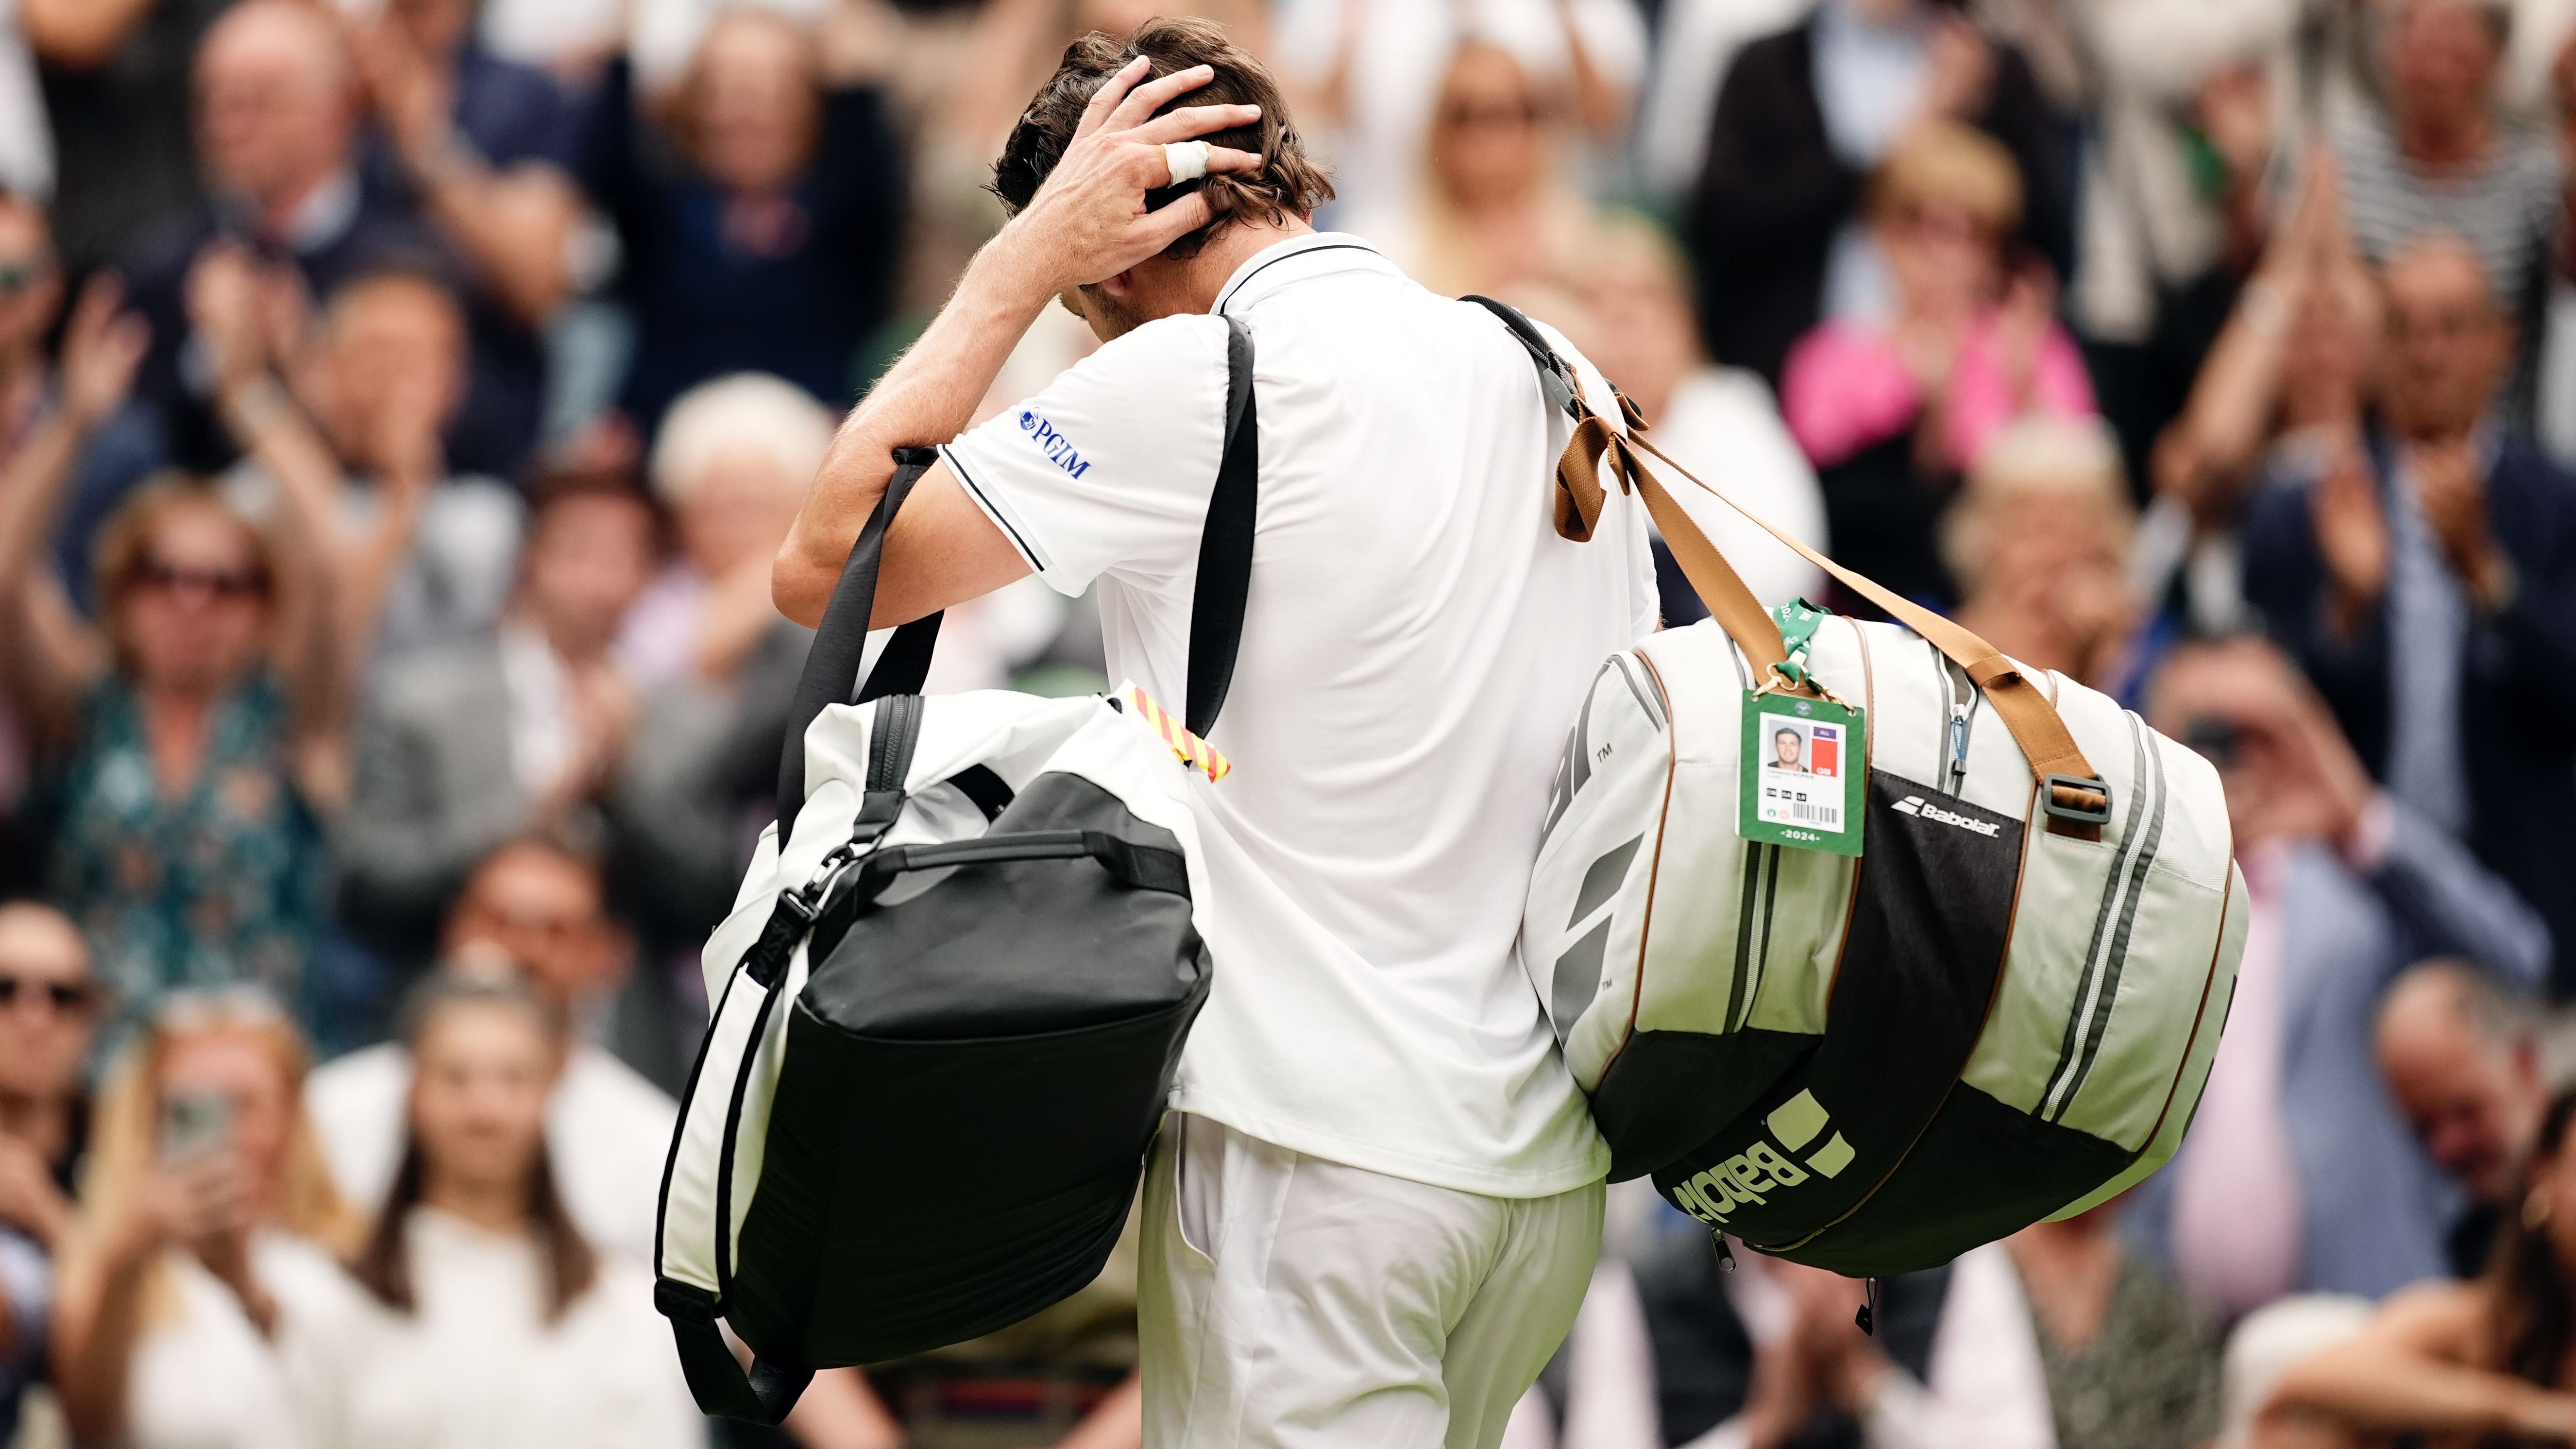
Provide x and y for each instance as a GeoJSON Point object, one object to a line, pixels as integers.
{"type": "Point", "coordinates": [1723, 424]}
{"type": "Point", "coordinates": [540, 710]}
{"type": "Point", "coordinates": [207, 1379]}
{"type": "Point", "coordinates": [1286, 1301]}
{"type": "Point", "coordinates": [477, 1366]}
{"type": "Point", "coordinates": [1986, 1387]}
{"type": "Point", "coordinates": [1415, 638]}
{"type": "Point", "coordinates": [607, 1130]}
{"type": "Point", "coordinates": [1399, 55]}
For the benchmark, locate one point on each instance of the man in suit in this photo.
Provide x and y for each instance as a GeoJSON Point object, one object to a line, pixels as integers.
{"type": "Point", "coordinates": [2300, 1173]}
{"type": "Point", "coordinates": [518, 731]}
{"type": "Point", "coordinates": [2430, 591]}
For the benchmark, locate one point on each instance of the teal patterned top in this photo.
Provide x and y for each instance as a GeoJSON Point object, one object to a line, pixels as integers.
{"type": "Point", "coordinates": [221, 886]}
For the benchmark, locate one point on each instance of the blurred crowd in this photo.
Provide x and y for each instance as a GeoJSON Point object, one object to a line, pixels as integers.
{"type": "Point", "coordinates": [401, 402]}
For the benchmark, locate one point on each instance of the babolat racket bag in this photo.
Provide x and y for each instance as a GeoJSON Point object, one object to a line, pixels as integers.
{"type": "Point", "coordinates": [1868, 944]}
{"type": "Point", "coordinates": [949, 1000]}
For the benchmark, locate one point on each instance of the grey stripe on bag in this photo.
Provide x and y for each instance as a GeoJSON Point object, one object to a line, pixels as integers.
{"type": "Point", "coordinates": [2093, 994]}
{"type": "Point", "coordinates": [2119, 953]}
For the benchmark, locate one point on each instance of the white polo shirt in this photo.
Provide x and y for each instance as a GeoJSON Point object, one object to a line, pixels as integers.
{"type": "Point", "coordinates": [1415, 644]}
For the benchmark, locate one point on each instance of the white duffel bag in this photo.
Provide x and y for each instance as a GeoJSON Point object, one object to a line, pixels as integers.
{"type": "Point", "coordinates": [2002, 1010]}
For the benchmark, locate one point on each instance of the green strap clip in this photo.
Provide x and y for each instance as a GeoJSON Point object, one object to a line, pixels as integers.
{"type": "Point", "coordinates": [1798, 621]}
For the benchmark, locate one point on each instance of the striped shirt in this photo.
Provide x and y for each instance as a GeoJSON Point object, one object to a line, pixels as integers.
{"type": "Point", "coordinates": [2506, 209]}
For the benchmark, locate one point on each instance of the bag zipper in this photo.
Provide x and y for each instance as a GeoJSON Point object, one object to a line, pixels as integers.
{"type": "Point", "coordinates": [1963, 712]}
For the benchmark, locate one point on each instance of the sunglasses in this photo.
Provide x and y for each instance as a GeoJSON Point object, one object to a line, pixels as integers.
{"type": "Point", "coordinates": [67, 998]}
{"type": "Point", "coordinates": [227, 585]}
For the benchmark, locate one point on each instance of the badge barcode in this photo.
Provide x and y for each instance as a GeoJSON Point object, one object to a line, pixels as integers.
{"type": "Point", "coordinates": [1820, 814]}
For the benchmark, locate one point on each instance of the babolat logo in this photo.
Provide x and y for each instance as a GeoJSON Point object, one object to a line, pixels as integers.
{"type": "Point", "coordinates": [1761, 1168]}
{"type": "Point", "coordinates": [1917, 805]}
{"type": "Point", "coordinates": [1054, 444]}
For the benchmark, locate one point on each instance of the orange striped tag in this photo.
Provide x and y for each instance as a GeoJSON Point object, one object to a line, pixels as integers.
{"type": "Point", "coordinates": [1192, 751]}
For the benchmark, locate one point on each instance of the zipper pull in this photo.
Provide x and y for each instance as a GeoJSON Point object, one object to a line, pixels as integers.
{"type": "Point", "coordinates": [1958, 746]}
{"type": "Point", "coordinates": [1725, 1252]}
{"type": "Point", "coordinates": [1867, 1318]}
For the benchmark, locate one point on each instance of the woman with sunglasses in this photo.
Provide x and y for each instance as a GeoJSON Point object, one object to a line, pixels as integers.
{"type": "Point", "coordinates": [190, 738]}
{"type": "Point", "coordinates": [46, 1002]}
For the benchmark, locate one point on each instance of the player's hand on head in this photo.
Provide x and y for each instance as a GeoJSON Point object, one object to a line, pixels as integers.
{"type": "Point", "coordinates": [1088, 222]}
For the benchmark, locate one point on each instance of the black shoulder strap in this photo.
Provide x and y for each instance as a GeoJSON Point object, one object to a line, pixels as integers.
{"type": "Point", "coordinates": [1216, 608]}
{"type": "Point", "coordinates": [841, 640]}
{"type": "Point", "coordinates": [1225, 542]}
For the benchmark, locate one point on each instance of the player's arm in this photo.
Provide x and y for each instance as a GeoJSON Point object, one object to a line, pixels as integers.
{"type": "Point", "coordinates": [1086, 224]}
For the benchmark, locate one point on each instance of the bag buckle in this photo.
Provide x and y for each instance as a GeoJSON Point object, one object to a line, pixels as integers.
{"type": "Point", "coordinates": [2092, 785]}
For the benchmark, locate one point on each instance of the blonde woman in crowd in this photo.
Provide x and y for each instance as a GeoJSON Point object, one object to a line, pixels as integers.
{"type": "Point", "coordinates": [488, 1321]}
{"type": "Point", "coordinates": [203, 1268]}
{"type": "Point", "coordinates": [1893, 408]}
{"type": "Point", "coordinates": [1492, 209]}
{"type": "Point", "coordinates": [2037, 540]}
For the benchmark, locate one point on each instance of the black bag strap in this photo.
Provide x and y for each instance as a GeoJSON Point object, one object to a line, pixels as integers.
{"type": "Point", "coordinates": [716, 1378]}
{"type": "Point", "coordinates": [1225, 543]}
{"type": "Point", "coordinates": [1216, 605]}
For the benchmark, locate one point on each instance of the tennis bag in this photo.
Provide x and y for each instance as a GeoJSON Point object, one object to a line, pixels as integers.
{"type": "Point", "coordinates": [950, 997]}
{"type": "Point", "coordinates": [2002, 1010]}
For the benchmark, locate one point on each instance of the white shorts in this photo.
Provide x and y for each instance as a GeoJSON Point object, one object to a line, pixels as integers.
{"type": "Point", "coordinates": [1288, 1302]}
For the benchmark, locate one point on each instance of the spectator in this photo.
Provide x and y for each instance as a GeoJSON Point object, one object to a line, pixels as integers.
{"type": "Point", "coordinates": [542, 910]}
{"type": "Point", "coordinates": [717, 662]}
{"type": "Point", "coordinates": [2444, 160]}
{"type": "Point", "coordinates": [432, 554]}
{"type": "Point", "coordinates": [2452, 549]}
{"type": "Point", "coordinates": [2192, 113]}
{"type": "Point", "coordinates": [2462, 1059]}
{"type": "Point", "coordinates": [2487, 1360]}
{"type": "Point", "coordinates": [1493, 210]}
{"type": "Point", "coordinates": [203, 1268]}
{"type": "Point", "coordinates": [484, 149]}
{"type": "Point", "coordinates": [1718, 421]}
{"type": "Point", "coordinates": [2131, 1363]}
{"type": "Point", "coordinates": [2036, 541]}
{"type": "Point", "coordinates": [1891, 410]}
{"type": "Point", "coordinates": [277, 134]}
{"type": "Point", "coordinates": [26, 141]}
{"type": "Point", "coordinates": [764, 237]}
{"type": "Point", "coordinates": [2279, 394]}
{"type": "Point", "coordinates": [1369, 75]}
{"type": "Point", "coordinates": [192, 739]}
{"type": "Point", "coordinates": [2299, 1175]}
{"type": "Point", "coordinates": [1805, 116]}
{"type": "Point", "coordinates": [1757, 1358]}
{"type": "Point", "coordinates": [48, 1006]}
{"type": "Point", "coordinates": [115, 76]}
{"type": "Point", "coordinates": [521, 729]}
{"type": "Point", "coordinates": [731, 467]}
{"type": "Point", "coordinates": [488, 1321]}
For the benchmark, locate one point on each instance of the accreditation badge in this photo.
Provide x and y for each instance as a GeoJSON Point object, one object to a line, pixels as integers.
{"type": "Point", "coordinates": [1803, 769]}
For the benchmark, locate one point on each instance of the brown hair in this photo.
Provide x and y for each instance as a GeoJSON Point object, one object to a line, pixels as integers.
{"type": "Point", "coordinates": [1289, 183]}
{"type": "Point", "coordinates": [1949, 164]}
{"type": "Point", "coordinates": [2533, 1318]}
{"type": "Point", "coordinates": [124, 543]}
{"type": "Point", "coordinates": [383, 1265]}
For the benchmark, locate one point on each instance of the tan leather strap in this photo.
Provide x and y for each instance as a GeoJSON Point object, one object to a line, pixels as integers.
{"type": "Point", "coordinates": [2025, 711]}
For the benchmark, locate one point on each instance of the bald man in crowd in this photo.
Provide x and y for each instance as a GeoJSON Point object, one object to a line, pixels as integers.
{"type": "Point", "coordinates": [303, 177]}
{"type": "Point", "coordinates": [2462, 1058]}
{"type": "Point", "coordinates": [2444, 560]}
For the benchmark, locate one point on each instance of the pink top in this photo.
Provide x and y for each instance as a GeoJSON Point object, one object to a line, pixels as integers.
{"type": "Point", "coordinates": [1846, 388]}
